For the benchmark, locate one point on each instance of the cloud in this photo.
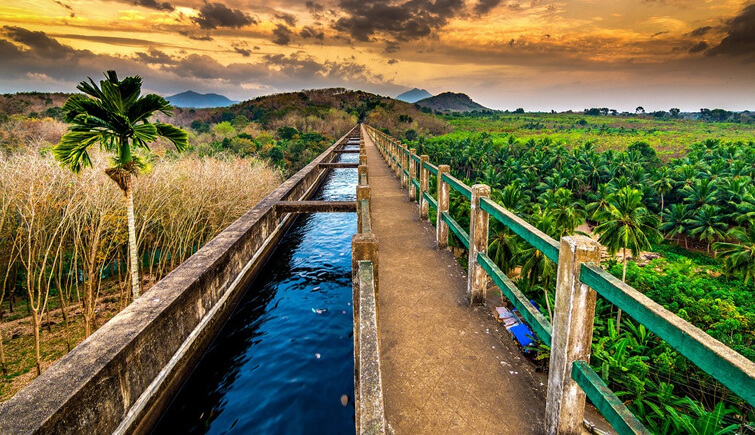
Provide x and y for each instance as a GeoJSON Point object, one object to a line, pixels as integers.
{"type": "Point", "coordinates": [392, 61]}
{"type": "Point", "coordinates": [315, 7]}
{"type": "Point", "coordinates": [195, 36]}
{"type": "Point", "coordinates": [214, 15]}
{"type": "Point", "coordinates": [700, 31]}
{"type": "Point", "coordinates": [484, 6]}
{"type": "Point", "coordinates": [740, 38]}
{"type": "Point", "coordinates": [152, 4]}
{"type": "Point", "coordinates": [64, 5]}
{"type": "Point", "coordinates": [282, 35]}
{"type": "Point", "coordinates": [659, 33]}
{"type": "Point", "coordinates": [38, 43]}
{"type": "Point", "coordinates": [154, 56]}
{"type": "Point", "coordinates": [392, 46]}
{"type": "Point", "coordinates": [403, 21]}
{"type": "Point", "coordinates": [286, 18]}
{"type": "Point", "coordinates": [242, 48]}
{"type": "Point", "coordinates": [700, 46]}
{"type": "Point", "coordinates": [310, 32]}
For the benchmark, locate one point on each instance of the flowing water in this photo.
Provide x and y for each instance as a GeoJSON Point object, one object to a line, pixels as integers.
{"type": "Point", "coordinates": [283, 363]}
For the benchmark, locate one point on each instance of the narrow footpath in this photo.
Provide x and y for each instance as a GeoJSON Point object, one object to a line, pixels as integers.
{"type": "Point", "coordinates": [446, 367]}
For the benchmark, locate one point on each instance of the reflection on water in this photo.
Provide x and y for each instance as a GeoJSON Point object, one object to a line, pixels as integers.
{"type": "Point", "coordinates": [284, 360]}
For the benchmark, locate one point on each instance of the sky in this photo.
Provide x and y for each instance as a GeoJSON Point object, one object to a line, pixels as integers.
{"type": "Point", "coordinates": [540, 55]}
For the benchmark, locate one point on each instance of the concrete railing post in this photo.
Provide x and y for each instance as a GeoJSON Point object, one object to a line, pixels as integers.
{"type": "Point", "coordinates": [362, 159]}
{"type": "Point", "coordinates": [362, 175]}
{"type": "Point", "coordinates": [572, 335]}
{"type": "Point", "coordinates": [402, 159]}
{"type": "Point", "coordinates": [398, 160]}
{"type": "Point", "coordinates": [478, 242]}
{"type": "Point", "coordinates": [412, 174]}
{"type": "Point", "coordinates": [363, 192]}
{"type": "Point", "coordinates": [444, 199]}
{"type": "Point", "coordinates": [424, 185]}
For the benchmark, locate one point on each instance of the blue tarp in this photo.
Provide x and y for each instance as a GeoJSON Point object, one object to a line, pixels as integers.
{"type": "Point", "coordinates": [522, 333]}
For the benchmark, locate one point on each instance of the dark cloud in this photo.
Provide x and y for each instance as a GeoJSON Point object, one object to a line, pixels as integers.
{"type": "Point", "coordinates": [214, 15]}
{"type": "Point", "coordinates": [392, 46]}
{"type": "Point", "coordinates": [281, 35]}
{"type": "Point", "coordinates": [154, 56]}
{"type": "Point", "coordinates": [64, 5]}
{"type": "Point", "coordinates": [411, 19]}
{"type": "Point", "coordinates": [114, 40]}
{"type": "Point", "coordinates": [152, 4]}
{"type": "Point", "coordinates": [392, 61]}
{"type": "Point", "coordinates": [740, 38]}
{"type": "Point", "coordinates": [315, 7]}
{"type": "Point", "coordinates": [38, 43]}
{"type": "Point", "coordinates": [195, 36]}
{"type": "Point", "coordinates": [700, 46]}
{"type": "Point", "coordinates": [658, 33]}
{"type": "Point", "coordinates": [484, 6]}
{"type": "Point", "coordinates": [287, 18]}
{"type": "Point", "coordinates": [242, 48]}
{"type": "Point", "coordinates": [310, 32]}
{"type": "Point", "coordinates": [700, 31]}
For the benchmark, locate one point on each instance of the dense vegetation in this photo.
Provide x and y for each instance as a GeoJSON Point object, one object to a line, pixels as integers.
{"type": "Point", "coordinates": [703, 200]}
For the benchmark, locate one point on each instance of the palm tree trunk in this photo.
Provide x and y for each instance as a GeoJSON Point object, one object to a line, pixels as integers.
{"type": "Point", "coordinates": [132, 253]}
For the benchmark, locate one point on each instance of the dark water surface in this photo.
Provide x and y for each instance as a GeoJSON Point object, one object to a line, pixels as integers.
{"type": "Point", "coordinates": [277, 367]}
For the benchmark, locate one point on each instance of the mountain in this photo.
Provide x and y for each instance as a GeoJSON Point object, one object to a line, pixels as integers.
{"type": "Point", "coordinates": [414, 95]}
{"type": "Point", "coordinates": [194, 99]}
{"type": "Point", "coordinates": [451, 102]}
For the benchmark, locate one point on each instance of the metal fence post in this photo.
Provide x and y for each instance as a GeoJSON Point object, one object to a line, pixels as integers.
{"type": "Point", "coordinates": [572, 335]}
{"type": "Point", "coordinates": [444, 193]}
{"type": "Point", "coordinates": [412, 174]}
{"type": "Point", "coordinates": [478, 242]}
{"type": "Point", "coordinates": [424, 184]}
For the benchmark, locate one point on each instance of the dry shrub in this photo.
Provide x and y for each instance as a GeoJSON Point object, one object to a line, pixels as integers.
{"type": "Point", "coordinates": [61, 234]}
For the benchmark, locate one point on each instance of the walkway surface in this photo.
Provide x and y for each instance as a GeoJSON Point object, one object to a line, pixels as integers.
{"type": "Point", "coordinates": [446, 367]}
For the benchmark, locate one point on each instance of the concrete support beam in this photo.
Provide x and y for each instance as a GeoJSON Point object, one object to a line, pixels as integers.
{"type": "Point", "coordinates": [444, 199]}
{"type": "Point", "coordinates": [412, 174]}
{"type": "Point", "coordinates": [572, 335]}
{"type": "Point", "coordinates": [315, 207]}
{"type": "Point", "coordinates": [478, 242]}
{"type": "Point", "coordinates": [346, 151]}
{"type": "Point", "coordinates": [338, 165]}
{"type": "Point", "coordinates": [424, 185]}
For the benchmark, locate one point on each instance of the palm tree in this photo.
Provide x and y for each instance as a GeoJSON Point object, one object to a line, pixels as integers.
{"type": "Point", "coordinates": [626, 224]}
{"type": "Point", "coordinates": [663, 185]}
{"type": "Point", "coordinates": [567, 212]}
{"type": "Point", "coordinates": [116, 116]}
{"type": "Point", "coordinates": [673, 221]}
{"type": "Point", "coordinates": [739, 257]}
{"type": "Point", "coordinates": [707, 224]}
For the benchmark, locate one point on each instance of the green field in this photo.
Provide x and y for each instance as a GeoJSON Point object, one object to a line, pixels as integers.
{"type": "Point", "coordinates": [669, 137]}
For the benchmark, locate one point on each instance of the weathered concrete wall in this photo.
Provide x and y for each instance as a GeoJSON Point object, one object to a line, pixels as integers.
{"type": "Point", "coordinates": [120, 378]}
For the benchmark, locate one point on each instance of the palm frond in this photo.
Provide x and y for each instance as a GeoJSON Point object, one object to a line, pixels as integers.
{"type": "Point", "coordinates": [177, 136]}
{"type": "Point", "coordinates": [72, 153]}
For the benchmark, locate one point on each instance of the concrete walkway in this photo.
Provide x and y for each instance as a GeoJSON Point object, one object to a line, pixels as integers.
{"type": "Point", "coordinates": [446, 367]}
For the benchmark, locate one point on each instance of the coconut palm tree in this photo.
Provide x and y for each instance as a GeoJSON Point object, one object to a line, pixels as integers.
{"type": "Point", "coordinates": [626, 224]}
{"type": "Point", "coordinates": [739, 257]}
{"type": "Point", "coordinates": [707, 224]}
{"type": "Point", "coordinates": [117, 117]}
{"type": "Point", "coordinates": [673, 221]}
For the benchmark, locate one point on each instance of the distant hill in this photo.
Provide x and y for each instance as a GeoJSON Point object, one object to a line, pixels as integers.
{"type": "Point", "coordinates": [326, 110]}
{"type": "Point", "coordinates": [414, 95]}
{"type": "Point", "coordinates": [197, 100]}
{"type": "Point", "coordinates": [451, 102]}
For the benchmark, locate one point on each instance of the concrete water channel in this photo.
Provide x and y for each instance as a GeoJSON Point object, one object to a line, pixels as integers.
{"type": "Point", "coordinates": [283, 362]}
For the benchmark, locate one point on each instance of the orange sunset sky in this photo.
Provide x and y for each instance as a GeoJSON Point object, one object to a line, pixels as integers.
{"type": "Point", "coordinates": [538, 54]}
